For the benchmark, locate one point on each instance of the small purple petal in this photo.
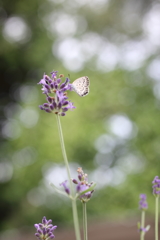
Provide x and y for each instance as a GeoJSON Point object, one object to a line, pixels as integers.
{"type": "Point", "coordinates": [39, 231]}
{"type": "Point", "coordinates": [65, 109]}
{"type": "Point", "coordinates": [37, 234]}
{"type": "Point", "coordinates": [54, 74]}
{"type": "Point", "coordinates": [41, 107]}
{"type": "Point", "coordinates": [36, 226]}
{"type": "Point", "coordinates": [53, 228]}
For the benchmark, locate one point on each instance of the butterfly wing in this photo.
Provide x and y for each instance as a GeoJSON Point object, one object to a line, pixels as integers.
{"type": "Point", "coordinates": [81, 86]}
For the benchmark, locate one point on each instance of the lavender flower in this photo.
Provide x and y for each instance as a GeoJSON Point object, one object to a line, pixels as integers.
{"type": "Point", "coordinates": [141, 225]}
{"type": "Point", "coordinates": [143, 203]}
{"type": "Point", "coordinates": [45, 229]}
{"type": "Point", "coordinates": [64, 184]}
{"type": "Point", "coordinates": [55, 91]}
{"type": "Point", "coordinates": [144, 230]}
{"type": "Point", "coordinates": [83, 185]}
{"type": "Point", "coordinates": [156, 186]}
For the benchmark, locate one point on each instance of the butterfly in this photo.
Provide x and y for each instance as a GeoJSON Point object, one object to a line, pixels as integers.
{"type": "Point", "coordinates": [81, 86]}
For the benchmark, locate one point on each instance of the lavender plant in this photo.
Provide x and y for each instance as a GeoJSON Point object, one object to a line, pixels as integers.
{"type": "Point", "coordinates": [58, 103]}
{"type": "Point", "coordinates": [143, 206]}
{"type": "Point", "coordinates": [156, 193]}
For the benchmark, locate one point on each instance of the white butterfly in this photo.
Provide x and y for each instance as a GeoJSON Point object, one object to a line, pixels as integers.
{"type": "Point", "coordinates": [81, 86]}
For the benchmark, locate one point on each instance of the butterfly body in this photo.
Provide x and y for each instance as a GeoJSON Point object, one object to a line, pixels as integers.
{"type": "Point", "coordinates": [81, 86]}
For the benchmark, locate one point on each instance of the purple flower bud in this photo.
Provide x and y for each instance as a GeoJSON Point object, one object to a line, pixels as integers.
{"type": "Point", "coordinates": [51, 237]}
{"type": "Point", "coordinates": [64, 184]}
{"type": "Point", "coordinates": [58, 80]}
{"type": "Point", "coordinates": [80, 177]}
{"type": "Point", "coordinates": [62, 85]}
{"type": "Point", "coordinates": [46, 77]}
{"type": "Point", "coordinates": [59, 105]}
{"type": "Point", "coordinates": [63, 114]}
{"type": "Point", "coordinates": [52, 85]}
{"type": "Point", "coordinates": [51, 106]}
{"type": "Point", "coordinates": [48, 110]}
{"type": "Point", "coordinates": [65, 109]}
{"type": "Point", "coordinates": [46, 105]}
{"type": "Point", "coordinates": [41, 107]}
{"type": "Point", "coordinates": [36, 226]}
{"type": "Point", "coordinates": [54, 104]}
{"type": "Point", "coordinates": [65, 103]}
{"type": "Point", "coordinates": [37, 235]}
{"type": "Point", "coordinates": [47, 86]}
{"type": "Point", "coordinates": [40, 231]}
{"type": "Point", "coordinates": [49, 99]}
{"type": "Point", "coordinates": [75, 181]}
{"type": "Point", "coordinates": [156, 180]}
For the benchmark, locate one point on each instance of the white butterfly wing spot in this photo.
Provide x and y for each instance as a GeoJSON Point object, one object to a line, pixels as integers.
{"type": "Point", "coordinates": [81, 86]}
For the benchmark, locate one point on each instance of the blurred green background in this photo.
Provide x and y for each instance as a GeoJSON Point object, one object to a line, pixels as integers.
{"type": "Point", "coordinates": [114, 132]}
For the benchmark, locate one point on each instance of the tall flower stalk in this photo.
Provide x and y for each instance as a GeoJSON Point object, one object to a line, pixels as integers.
{"type": "Point", "coordinates": [143, 206]}
{"type": "Point", "coordinates": [58, 103]}
{"type": "Point", "coordinates": [156, 193]}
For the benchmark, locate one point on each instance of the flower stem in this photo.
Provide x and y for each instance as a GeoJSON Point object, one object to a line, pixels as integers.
{"type": "Point", "coordinates": [156, 217]}
{"type": "Point", "coordinates": [142, 225]}
{"type": "Point", "coordinates": [74, 206]}
{"type": "Point", "coordinates": [85, 221]}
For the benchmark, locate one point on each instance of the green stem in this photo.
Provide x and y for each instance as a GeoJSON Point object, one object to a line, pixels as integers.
{"type": "Point", "coordinates": [156, 217]}
{"type": "Point", "coordinates": [74, 206]}
{"type": "Point", "coordinates": [142, 225]}
{"type": "Point", "coordinates": [85, 221]}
